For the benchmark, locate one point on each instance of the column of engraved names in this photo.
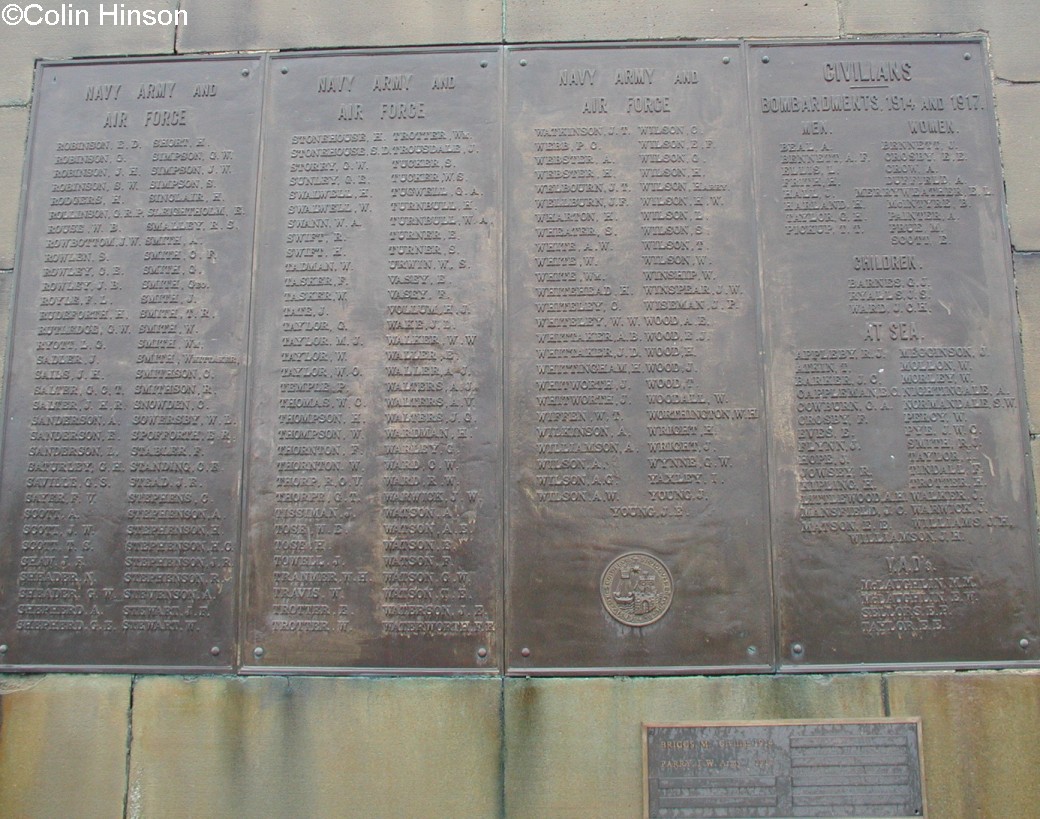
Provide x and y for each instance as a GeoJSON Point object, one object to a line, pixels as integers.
{"type": "Point", "coordinates": [931, 194]}
{"type": "Point", "coordinates": [68, 435]}
{"type": "Point", "coordinates": [688, 295]}
{"type": "Point", "coordinates": [319, 437]}
{"type": "Point", "coordinates": [630, 179]}
{"type": "Point", "coordinates": [179, 545]}
{"type": "Point", "coordinates": [430, 388]}
{"type": "Point", "coordinates": [813, 206]}
{"type": "Point", "coordinates": [582, 367]}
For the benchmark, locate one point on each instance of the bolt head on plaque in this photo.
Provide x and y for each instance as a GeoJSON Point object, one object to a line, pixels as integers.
{"type": "Point", "coordinates": [636, 589]}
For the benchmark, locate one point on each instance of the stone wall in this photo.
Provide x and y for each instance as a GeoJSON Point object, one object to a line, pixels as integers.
{"type": "Point", "coordinates": [150, 746]}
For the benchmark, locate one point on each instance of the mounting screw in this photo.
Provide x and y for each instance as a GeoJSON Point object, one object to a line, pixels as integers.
{"type": "Point", "coordinates": [523, 62]}
{"type": "Point", "coordinates": [967, 56]}
{"type": "Point", "coordinates": [797, 649]}
{"type": "Point", "coordinates": [258, 652]}
{"type": "Point", "coordinates": [482, 652]}
{"type": "Point", "coordinates": [752, 651]}
{"type": "Point", "coordinates": [215, 651]}
{"type": "Point", "coordinates": [245, 72]}
{"type": "Point", "coordinates": [1023, 643]}
{"type": "Point", "coordinates": [483, 63]}
{"type": "Point", "coordinates": [525, 652]}
{"type": "Point", "coordinates": [725, 60]}
{"type": "Point", "coordinates": [285, 70]}
{"type": "Point", "coordinates": [3, 648]}
{"type": "Point", "coordinates": [765, 58]}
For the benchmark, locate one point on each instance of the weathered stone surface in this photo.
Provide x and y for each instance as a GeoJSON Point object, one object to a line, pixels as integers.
{"type": "Point", "coordinates": [981, 749]}
{"type": "Point", "coordinates": [1027, 286]}
{"type": "Point", "coordinates": [1011, 25]}
{"type": "Point", "coordinates": [574, 747]}
{"type": "Point", "coordinates": [274, 746]}
{"type": "Point", "coordinates": [14, 124]}
{"type": "Point", "coordinates": [22, 44]}
{"type": "Point", "coordinates": [1012, 28]}
{"type": "Point", "coordinates": [267, 24]}
{"type": "Point", "coordinates": [1034, 448]}
{"type": "Point", "coordinates": [6, 288]}
{"type": "Point", "coordinates": [934, 16]}
{"type": "Point", "coordinates": [1018, 112]}
{"type": "Point", "coordinates": [546, 20]}
{"type": "Point", "coordinates": [63, 745]}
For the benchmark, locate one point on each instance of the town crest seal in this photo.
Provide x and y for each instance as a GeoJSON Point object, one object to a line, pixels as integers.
{"type": "Point", "coordinates": [636, 589]}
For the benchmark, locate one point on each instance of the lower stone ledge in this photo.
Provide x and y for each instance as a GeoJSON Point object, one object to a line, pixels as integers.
{"type": "Point", "coordinates": [461, 747]}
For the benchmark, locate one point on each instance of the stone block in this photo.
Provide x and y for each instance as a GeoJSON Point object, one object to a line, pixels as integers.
{"type": "Point", "coordinates": [1018, 112]}
{"type": "Point", "coordinates": [63, 745]}
{"type": "Point", "coordinates": [23, 43]}
{"type": "Point", "coordinates": [981, 748]}
{"type": "Point", "coordinates": [574, 747]}
{"type": "Point", "coordinates": [14, 124]}
{"type": "Point", "coordinates": [233, 25]}
{"type": "Point", "coordinates": [6, 288]}
{"type": "Point", "coordinates": [914, 17]}
{"type": "Point", "coordinates": [1011, 25]}
{"type": "Point", "coordinates": [278, 747]}
{"type": "Point", "coordinates": [1012, 29]}
{"type": "Point", "coordinates": [548, 20]}
{"type": "Point", "coordinates": [1034, 448]}
{"type": "Point", "coordinates": [1027, 286]}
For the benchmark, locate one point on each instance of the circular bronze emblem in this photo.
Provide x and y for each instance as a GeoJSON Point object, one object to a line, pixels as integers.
{"type": "Point", "coordinates": [636, 589]}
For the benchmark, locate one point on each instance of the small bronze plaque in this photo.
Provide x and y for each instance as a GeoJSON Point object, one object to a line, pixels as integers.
{"type": "Point", "coordinates": [635, 409]}
{"type": "Point", "coordinates": [783, 769]}
{"type": "Point", "coordinates": [122, 456]}
{"type": "Point", "coordinates": [902, 500]}
{"type": "Point", "coordinates": [374, 500]}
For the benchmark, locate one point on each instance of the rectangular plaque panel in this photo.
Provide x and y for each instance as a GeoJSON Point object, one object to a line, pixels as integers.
{"type": "Point", "coordinates": [901, 492]}
{"type": "Point", "coordinates": [637, 531]}
{"type": "Point", "coordinates": [622, 415]}
{"type": "Point", "coordinates": [122, 452]}
{"type": "Point", "coordinates": [374, 514]}
{"type": "Point", "coordinates": [783, 769]}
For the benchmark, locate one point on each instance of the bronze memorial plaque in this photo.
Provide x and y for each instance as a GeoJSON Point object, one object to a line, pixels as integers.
{"type": "Point", "coordinates": [374, 479]}
{"type": "Point", "coordinates": [902, 503]}
{"type": "Point", "coordinates": [638, 522]}
{"type": "Point", "coordinates": [783, 769]}
{"type": "Point", "coordinates": [122, 450]}
{"type": "Point", "coordinates": [736, 386]}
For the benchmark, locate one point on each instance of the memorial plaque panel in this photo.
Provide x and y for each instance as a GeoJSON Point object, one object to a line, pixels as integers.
{"type": "Point", "coordinates": [122, 453]}
{"type": "Point", "coordinates": [783, 769]}
{"type": "Point", "coordinates": [903, 522]}
{"type": "Point", "coordinates": [637, 531]}
{"type": "Point", "coordinates": [374, 514]}
{"type": "Point", "coordinates": [640, 308]}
